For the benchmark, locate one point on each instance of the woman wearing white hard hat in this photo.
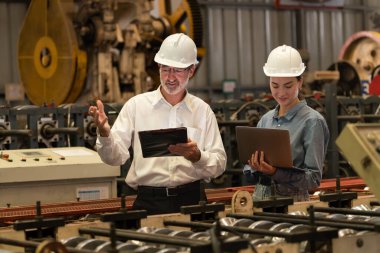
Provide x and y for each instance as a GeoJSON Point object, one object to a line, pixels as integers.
{"type": "Point", "coordinates": [309, 134]}
{"type": "Point", "coordinates": [165, 183]}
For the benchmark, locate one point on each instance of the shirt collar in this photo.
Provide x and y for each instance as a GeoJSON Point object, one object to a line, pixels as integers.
{"type": "Point", "coordinates": [292, 112]}
{"type": "Point", "coordinates": [158, 97]}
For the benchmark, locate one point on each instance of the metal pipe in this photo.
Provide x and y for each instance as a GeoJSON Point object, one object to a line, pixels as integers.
{"type": "Point", "coordinates": [289, 237]}
{"type": "Point", "coordinates": [234, 123]}
{"type": "Point", "coordinates": [14, 132]}
{"type": "Point", "coordinates": [61, 130]}
{"type": "Point", "coordinates": [298, 217]}
{"type": "Point", "coordinates": [225, 228]}
{"type": "Point", "coordinates": [32, 244]}
{"type": "Point", "coordinates": [24, 244]}
{"type": "Point", "coordinates": [358, 117]}
{"type": "Point", "coordinates": [278, 217]}
{"type": "Point", "coordinates": [156, 238]}
{"type": "Point", "coordinates": [346, 211]}
{"type": "Point", "coordinates": [270, 6]}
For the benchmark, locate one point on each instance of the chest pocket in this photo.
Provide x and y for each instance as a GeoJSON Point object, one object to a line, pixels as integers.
{"type": "Point", "coordinates": [194, 134]}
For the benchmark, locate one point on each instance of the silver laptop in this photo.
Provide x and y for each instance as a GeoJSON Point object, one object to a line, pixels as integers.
{"type": "Point", "coordinates": [274, 142]}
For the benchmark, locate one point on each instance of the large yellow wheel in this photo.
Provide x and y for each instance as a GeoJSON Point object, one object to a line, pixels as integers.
{"type": "Point", "coordinates": [185, 18]}
{"type": "Point", "coordinates": [52, 68]}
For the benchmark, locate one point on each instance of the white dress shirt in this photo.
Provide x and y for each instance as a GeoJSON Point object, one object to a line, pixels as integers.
{"type": "Point", "coordinates": [149, 111]}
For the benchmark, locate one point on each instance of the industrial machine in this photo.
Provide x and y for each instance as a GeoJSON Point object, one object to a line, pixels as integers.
{"type": "Point", "coordinates": [360, 144]}
{"type": "Point", "coordinates": [208, 227]}
{"type": "Point", "coordinates": [75, 51]}
{"type": "Point", "coordinates": [362, 49]}
{"type": "Point", "coordinates": [54, 175]}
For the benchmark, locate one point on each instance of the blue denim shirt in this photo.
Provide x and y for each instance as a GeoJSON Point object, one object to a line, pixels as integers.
{"type": "Point", "coordinates": [309, 137]}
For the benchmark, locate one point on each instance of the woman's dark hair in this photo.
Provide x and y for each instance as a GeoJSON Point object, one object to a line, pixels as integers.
{"type": "Point", "coordinates": [300, 95]}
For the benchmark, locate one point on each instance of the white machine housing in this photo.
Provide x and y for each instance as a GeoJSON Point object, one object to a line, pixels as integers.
{"type": "Point", "coordinates": [54, 175]}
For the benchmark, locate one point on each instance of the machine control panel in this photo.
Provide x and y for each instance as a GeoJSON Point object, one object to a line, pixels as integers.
{"type": "Point", "coordinates": [54, 175]}
{"type": "Point", "coordinates": [360, 145]}
{"type": "Point", "coordinates": [52, 164]}
{"type": "Point", "coordinates": [27, 157]}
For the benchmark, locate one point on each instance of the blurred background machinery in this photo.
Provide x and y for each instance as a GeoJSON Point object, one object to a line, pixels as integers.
{"type": "Point", "coordinates": [75, 51]}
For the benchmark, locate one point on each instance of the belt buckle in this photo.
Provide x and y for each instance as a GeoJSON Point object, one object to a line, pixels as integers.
{"type": "Point", "coordinates": [171, 194]}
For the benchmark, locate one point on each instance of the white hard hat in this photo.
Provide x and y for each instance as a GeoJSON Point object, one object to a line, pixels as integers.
{"type": "Point", "coordinates": [284, 61]}
{"type": "Point", "coordinates": [177, 50]}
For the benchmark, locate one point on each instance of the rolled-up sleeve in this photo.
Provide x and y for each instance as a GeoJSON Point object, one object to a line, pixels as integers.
{"type": "Point", "coordinates": [114, 150]}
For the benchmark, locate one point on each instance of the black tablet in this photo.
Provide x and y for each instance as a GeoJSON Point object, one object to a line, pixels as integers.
{"type": "Point", "coordinates": [155, 143]}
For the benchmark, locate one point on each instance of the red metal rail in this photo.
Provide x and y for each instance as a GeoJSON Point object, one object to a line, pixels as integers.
{"type": "Point", "coordinates": [80, 208]}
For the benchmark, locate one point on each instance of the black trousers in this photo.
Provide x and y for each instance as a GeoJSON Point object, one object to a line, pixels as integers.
{"type": "Point", "coordinates": [160, 200]}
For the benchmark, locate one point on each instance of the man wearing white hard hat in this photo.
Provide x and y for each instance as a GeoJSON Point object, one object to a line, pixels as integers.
{"type": "Point", "coordinates": [309, 134]}
{"type": "Point", "coordinates": [166, 183]}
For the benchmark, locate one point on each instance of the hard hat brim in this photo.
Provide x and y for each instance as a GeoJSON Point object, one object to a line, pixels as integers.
{"type": "Point", "coordinates": [293, 74]}
{"type": "Point", "coordinates": [172, 63]}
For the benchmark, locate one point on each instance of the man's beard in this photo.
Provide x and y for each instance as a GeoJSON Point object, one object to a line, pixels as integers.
{"type": "Point", "coordinates": [177, 89]}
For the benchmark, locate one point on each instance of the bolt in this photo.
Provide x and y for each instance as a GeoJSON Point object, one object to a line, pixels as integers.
{"type": "Point", "coordinates": [359, 242]}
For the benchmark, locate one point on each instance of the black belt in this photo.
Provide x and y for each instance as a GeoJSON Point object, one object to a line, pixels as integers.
{"type": "Point", "coordinates": [168, 191]}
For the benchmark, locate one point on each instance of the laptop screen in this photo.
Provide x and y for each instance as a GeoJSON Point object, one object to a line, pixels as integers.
{"type": "Point", "coordinates": [274, 142]}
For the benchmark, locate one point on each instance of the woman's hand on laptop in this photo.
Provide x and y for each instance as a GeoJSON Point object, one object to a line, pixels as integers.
{"type": "Point", "coordinates": [257, 162]}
